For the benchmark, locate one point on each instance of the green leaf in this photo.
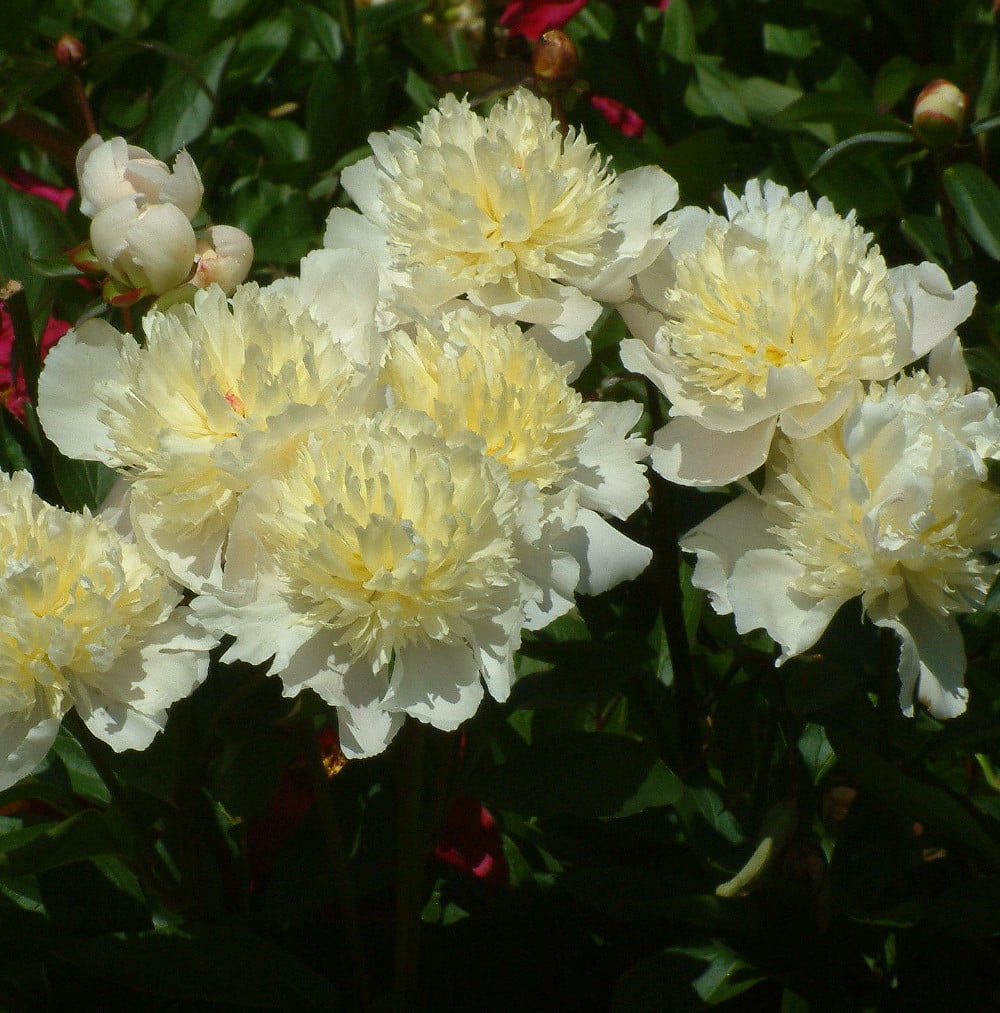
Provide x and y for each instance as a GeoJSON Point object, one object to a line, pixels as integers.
{"type": "Point", "coordinates": [795, 43]}
{"type": "Point", "coordinates": [930, 803]}
{"type": "Point", "coordinates": [84, 835]}
{"type": "Point", "coordinates": [181, 111]}
{"type": "Point", "coordinates": [682, 979]}
{"type": "Point", "coordinates": [976, 200]}
{"type": "Point", "coordinates": [874, 140]}
{"type": "Point", "coordinates": [816, 752]}
{"type": "Point", "coordinates": [29, 227]}
{"type": "Point", "coordinates": [678, 38]}
{"type": "Point", "coordinates": [82, 483]}
{"type": "Point", "coordinates": [927, 236]}
{"type": "Point", "coordinates": [595, 775]}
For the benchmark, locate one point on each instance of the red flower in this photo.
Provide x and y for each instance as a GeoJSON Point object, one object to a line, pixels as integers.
{"type": "Point", "coordinates": [22, 180]}
{"type": "Point", "coordinates": [628, 121]}
{"type": "Point", "coordinates": [13, 391]}
{"type": "Point", "coordinates": [471, 842]}
{"type": "Point", "coordinates": [532, 18]}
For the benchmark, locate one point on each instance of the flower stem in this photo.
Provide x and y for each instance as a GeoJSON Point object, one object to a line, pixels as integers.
{"type": "Point", "coordinates": [409, 860]}
{"type": "Point", "coordinates": [349, 22]}
{"type": "Point", "coordinates": [336, 851]}
{"type": "Point", "coordinates": [668, 575]}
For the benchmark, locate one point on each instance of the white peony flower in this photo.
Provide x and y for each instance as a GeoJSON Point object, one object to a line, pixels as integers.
{"type": "Point", "coordinates": [380, 570]}
{"type": "Point", "coordinates": [889, 505]}
{"type": "Point", "coordinates": [220, 394]}
{"type": "Point", "coordinates": [84, 623]}
{"type": "Point", "coordinates": [504, 210]}
{"type": "Point", "coordinates": [773, 319]}
{"type": "Point", "coordinates": [110, 171]}
{"type": "Point", "coordinates": [473, 373]}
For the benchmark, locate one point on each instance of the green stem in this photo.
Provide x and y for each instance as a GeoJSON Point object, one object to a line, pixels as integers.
{"type": "Point", "coordinates": [668, 575]}
{"type": "Point", "coordinates": [349, 22]}
{"type": "Point", "coordinates": [150, 867]}
{"type": "Point", "coordinates": [409, 860]}
{"type": "Point", "coordinates": [336, 853]}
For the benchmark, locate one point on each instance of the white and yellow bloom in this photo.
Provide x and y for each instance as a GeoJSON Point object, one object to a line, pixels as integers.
{"type": "Point", "coordinates": [889, 504]}
{"type": "Point", "coordinates": [774, 319]}
{"type": "Point", "coordinates": [85, 622]}
{"type": "Point", "coordinates": [473, 373]}
{"type": "Point", "coordinates": [220, 394]}
{"type": "Point", "coordinates": [506, 211]}
{"type": "Point", "coordinates": [381, 571]}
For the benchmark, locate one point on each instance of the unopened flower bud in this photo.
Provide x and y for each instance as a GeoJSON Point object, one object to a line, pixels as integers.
{"type": "Point", "coordinates": [151, 248]}
{"type": "Point", "coordinates": [223, 256]}
{"type": "Point", "coordinates": [69, 50]}
{"type": "Point", "coordinates": [555, 59]}
{"type": "Point", "coordinates": [112, 170]}
{"type": "Point", "coordinates": [939, 113]}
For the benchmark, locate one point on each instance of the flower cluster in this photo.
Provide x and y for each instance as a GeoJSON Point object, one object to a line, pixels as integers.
{"type": "Point", "coordinates": [371, 484]}
{"type": "Point", "coordinates": [141, 232]}
{"type": "Point", "coordinates": [776, 333]}
{"type": "Point", "coordinates": [375, 475]}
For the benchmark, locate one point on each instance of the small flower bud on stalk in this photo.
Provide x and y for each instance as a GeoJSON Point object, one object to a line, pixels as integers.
{"type": "Point", "coordinates": [223, 256]}
{"type": "Point", "coordinates": [939, 113]}
{"type": "Point", "coordinates": [555, 61]}
{"type": "Point", "coordinates": [69, 51]}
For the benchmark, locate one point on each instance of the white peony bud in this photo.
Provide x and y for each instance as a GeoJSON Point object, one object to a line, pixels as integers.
{"type": "Point", "coordinates": [112, 170]}
{"type": "Point", "coordinates": [223, 256]}
{"type": "Point", "coordinates": [151, 247]}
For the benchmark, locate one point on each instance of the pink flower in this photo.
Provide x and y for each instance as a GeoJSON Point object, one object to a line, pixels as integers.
{"type": "Point", "coordinates": [25, 181]}
{"type": "Point", "coordinates": [13, 391]}
{"type": "Point", "coordinates": [471, 842]}
{"type": "Point", "coordinates": [532, 18]}
{"type": "Point", "coordinates": [628, 121]}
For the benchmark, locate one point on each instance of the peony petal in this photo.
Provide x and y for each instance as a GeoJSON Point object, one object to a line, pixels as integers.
{"type": "Point", "coordinates": [804, 420]}
{"type": "Point", "coordinates": [435, 683]}
{"type": "Point", "coordinates": [366, 731]}
{"type": "Point", "coordinates": [608, 471]}
{"type": "Point", "coordinates": [931, 661]}
{"type": "Point", "coordinates": [24, 741]}
{"type": "Point", "coordinates": [926, 309]}
{"type": "Point", "coordinates": [762, 597]}
{"type": "Point", "coordinates": [86, 362]}
{"type": "Point", "coordinates": [720, 540]}
{"type": "Point", "coordinates": [606, 556]}
{"type": "Point", "coordinates": [689, 454]}
{"type": "Point", "coordinates": [947, 360]}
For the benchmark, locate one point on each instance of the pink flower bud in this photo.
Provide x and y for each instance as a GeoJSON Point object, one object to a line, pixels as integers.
{"type": "Point", "coordinates": [939, 113]}
{"type": "Point", "coordinates": [69, 50]}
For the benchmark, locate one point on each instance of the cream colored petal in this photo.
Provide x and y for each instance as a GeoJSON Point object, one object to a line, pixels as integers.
{"type": "Point", "coordinates": [86, 362]}
{"type": "Point", "coordinates": [689, 454]}
{"type": "Point", "coordinates": [606, 556]}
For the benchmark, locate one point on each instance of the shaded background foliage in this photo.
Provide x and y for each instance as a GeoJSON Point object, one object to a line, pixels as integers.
{"type": "Point", "coordinates": [623, 785]}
